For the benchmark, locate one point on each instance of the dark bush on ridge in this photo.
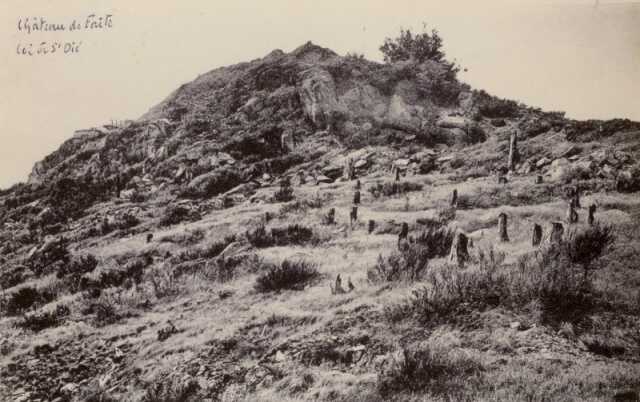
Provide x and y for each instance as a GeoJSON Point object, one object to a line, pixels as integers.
{"type": "Point", "coordinates": [289, 275]}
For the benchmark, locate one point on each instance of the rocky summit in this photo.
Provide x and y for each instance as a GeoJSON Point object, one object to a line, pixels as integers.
{"type": "Point", "coordinates": [315, 227]}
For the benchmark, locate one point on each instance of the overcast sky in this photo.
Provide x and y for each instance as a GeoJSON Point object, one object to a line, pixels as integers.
{"type": "Point", "coordinates": [582, 57]}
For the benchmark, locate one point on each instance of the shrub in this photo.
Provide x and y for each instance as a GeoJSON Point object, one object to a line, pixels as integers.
{"type": "Point", "coordinates": [493, 107]}
{"type": "Point", "coordinates": [436, 241]}
{"type": "Point", "coordinates": [436, 371]}
{"type": "Point", "coordinates": [393, 188]}
{"type": "Point", "coordinates": [291, 275]}
{"type": "Point", "coordinates": [547, 279]}
{"type": "Point", "coordinates": [25, 299]}
{"type": "Point", "coordinates": [171, 388]}
{"type": "Point", "coordinates": [176, 214]}
{"type": "Point", "coordinates": [584, 247]}
{"type": "Point", "coordinates": [285, 192]}
{"type": "Point", "coordinates": [38, 321]}
{"type": "Point", "coordinates": [406, 46]}
{"type": "Point", "coordinates": [292, 234]}
{"type": "Point", "coordinates": [50, 257]}
{"type": "Point", "coordinates": [408, 264]}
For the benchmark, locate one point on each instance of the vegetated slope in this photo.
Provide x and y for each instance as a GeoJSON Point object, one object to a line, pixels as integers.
{"type": "Point", "coordinates": [188, 254]}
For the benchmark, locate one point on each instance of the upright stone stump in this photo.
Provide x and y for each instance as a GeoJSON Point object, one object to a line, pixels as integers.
{"type": "Point", "coordinates": [513, 151]}
{"type": "Point", "coordinates": [404, 232]}
{"type": "Point", "coordinates": [539, 179]}
{"type": "Point", "coordinates": [502, 180]}
{"type": "Point", "coordinates": [372, 226]}
{"type": "Point", "coordinates": [592, 212]}
{"type": "Point", "coordinates": [576, 197]}
{"type": "Point", "coordinates": [356, 197]}
{"type": "Point", "coordinates": [537, 235]}
{"type": "Point", "coordinates": [396, 173]}
{"type": "Point", "coordinates": [557, 232]}
{"type": "Point", "coordinates": [354, 215]}
{"type": "Point", "coordinates": [358, 185]}
{"type": "Point", "coordinates": [572, 215]}
{"type": "Point", "coordinates": [454, 198]}
{"type": "Point", "coordinates": [459, 249]}
{"type": "Point", "coordinates": [502, 227]}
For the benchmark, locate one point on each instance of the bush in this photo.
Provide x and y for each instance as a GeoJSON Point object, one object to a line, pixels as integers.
{"type": "Point", "coordinates": [176, 214]}
{"type": "Point", "coordinates": [436, 241]}
{"type": "Point", "coordinates": [406, 46]}
{"type": "Point", "coordinates": [292, 234]}
{"type": "Point", "coordinates": [547, 279]}
{"type": "Point", "coordinates": [285, 192]}
{"type": "Point", "coordinates": [25, 299]}
{"type": "Point", "coordinates": [493, 107]}
{"type": "Point", "coordinates": [408, 264]}
{"type": "Point", "coordinates": [38, 321]}
{"type": "Point", "coordinates": [436, 371]}
{"type": "Point", "coordinates": [393, 188]}
{"type": "Point", "coordinates": [584, 247]}
{"type": "Point", "coordinates": [171, 388]}
{"type": "Point", "coordinates": [290, 275]}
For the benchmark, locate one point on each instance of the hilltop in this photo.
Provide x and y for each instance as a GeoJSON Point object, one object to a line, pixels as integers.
{"type": "Point", "coordinates": [208, 250]}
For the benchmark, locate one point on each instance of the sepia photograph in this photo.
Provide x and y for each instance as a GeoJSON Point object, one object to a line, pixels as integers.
{"type": "Point", "coordinates": [283, 201]}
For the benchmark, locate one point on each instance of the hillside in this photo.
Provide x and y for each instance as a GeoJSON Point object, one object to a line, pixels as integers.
{"type": "Point", "coordinates": [209, 249]}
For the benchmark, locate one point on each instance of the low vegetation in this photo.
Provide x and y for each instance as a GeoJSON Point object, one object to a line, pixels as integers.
{"type": "Point", "coordinates": [288, 275]}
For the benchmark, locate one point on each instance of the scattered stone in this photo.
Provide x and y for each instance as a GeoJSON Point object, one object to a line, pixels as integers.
{"type": "Point", "coordinates": [542, 162]}
{"type": "Point", "coordinates": [166, 332]}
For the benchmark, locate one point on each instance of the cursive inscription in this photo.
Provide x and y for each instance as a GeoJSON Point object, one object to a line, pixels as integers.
{"type": "Point", "coordinates": [30, 27]}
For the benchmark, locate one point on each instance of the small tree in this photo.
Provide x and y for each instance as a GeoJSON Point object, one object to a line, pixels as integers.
{"type": "Point", "coordinates": [419, 47]}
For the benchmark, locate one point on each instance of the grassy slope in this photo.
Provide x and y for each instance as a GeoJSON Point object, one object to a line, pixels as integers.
{"type": "Point", "coordinates": [308, 326]}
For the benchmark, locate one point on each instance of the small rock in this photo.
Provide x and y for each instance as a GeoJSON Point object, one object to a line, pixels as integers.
{"type": "Point", "coordinates": [280, 356]}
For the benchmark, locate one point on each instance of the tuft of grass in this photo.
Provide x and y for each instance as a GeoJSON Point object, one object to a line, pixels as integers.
{"type": "Point", "coordinates": [427, 370]}
{"type": "Point", "coordinates": [288, 275]}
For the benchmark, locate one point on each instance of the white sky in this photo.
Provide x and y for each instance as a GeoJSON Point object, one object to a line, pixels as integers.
{"type": "Point", "coordinates": [558, 55]}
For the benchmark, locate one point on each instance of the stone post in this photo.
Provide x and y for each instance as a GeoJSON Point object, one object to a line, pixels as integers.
{"type": "Point", "coordinates": [557, 231]}
{"type": "Point", "coordinates": [537, 235]}
{"type": "Point", "coordinates": [459, 252]}
{"type": "Point", "coordinates": [572, 215]}
{"type": "Point", "coordinates": [356, 197]}
{"type": "Point", "coordinates": [502, 226]}
{"type": "Point", "coordinates": [592, 212]}
{"type": "Point", "coordinates": [354, 215]}
{"type": "Point", "coordinates": [513, 151]}
{"type": "Point", "coordinates": [372, 226]}
{"type": "Point", "coordinates": [454, 198]}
